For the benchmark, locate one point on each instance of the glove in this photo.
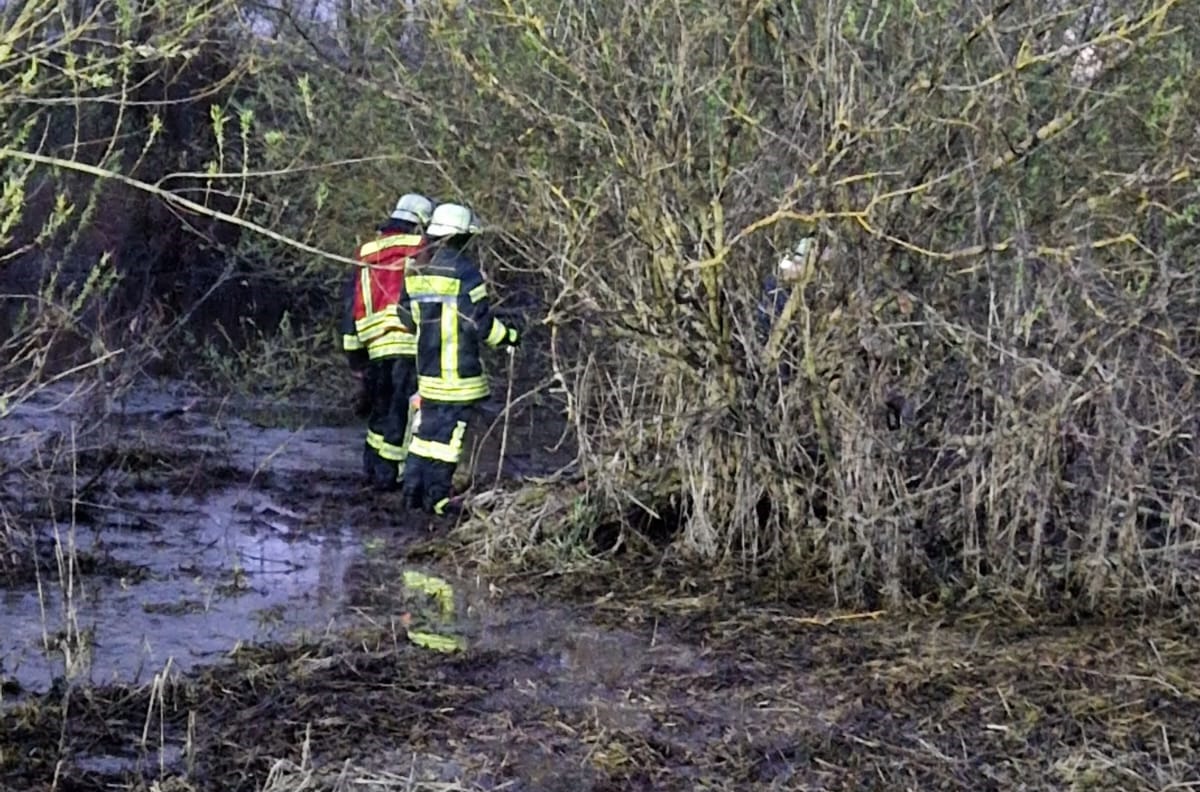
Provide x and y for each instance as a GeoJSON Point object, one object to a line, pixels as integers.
{"type": "Point", "coordinates": [512, 338]}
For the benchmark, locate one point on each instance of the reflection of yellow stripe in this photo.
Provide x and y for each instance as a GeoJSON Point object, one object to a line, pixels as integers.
{"type": "Point", "coordinates": [443, 592]}
{"type": "Point", "coordinates": [438, 643]}
{"type": "Point", "coordinates": [436, 587]}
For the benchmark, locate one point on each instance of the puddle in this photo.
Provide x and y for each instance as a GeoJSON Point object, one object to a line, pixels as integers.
{"type": "Point", "coordinates": [202, 524]}
{"type": "Point", "coordinates": [545, 655]}
{"type": "Point", "coordinates": [156, 760]}
{"type": "Point", "coordinates": [184, 549]}
{"type": "Point", "coordinates": [167, 421]}
{"type": "Point", "coordinates": [181, 579]}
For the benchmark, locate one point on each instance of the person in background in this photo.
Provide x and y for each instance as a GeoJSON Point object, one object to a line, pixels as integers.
{"type": "Point", "coordinates": [777, 286]}
{"type": "Point", "coordinates": [380, 350]}
{"type": "Point", "coordinates": [445, 302]}
{"type": "Point", "coordinates": [777, 289]}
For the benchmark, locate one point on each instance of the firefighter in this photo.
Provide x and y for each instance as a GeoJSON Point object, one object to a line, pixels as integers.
{"type": "Point", "coordinates": [381, 351]}
{"type": "Point", "coordinates": [777, 290]}
{"type": "Point", "coordinates": [445, 303]}
{"type": "Point", "coordinates": [777, 286]}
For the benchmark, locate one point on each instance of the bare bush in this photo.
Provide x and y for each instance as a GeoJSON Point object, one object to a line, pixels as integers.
{"type": "Point", "coordinates": [987, 385]}
{"type": "Point", "coordinates": [90, 95]}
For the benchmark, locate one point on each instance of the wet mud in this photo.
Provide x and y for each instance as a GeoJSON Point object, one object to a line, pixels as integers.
{"type": "Point", "coordinates": [205, 598]}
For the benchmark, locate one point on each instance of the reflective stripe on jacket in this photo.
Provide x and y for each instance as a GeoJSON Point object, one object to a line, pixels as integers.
{"type": "Point", "coordinates": [445, 301]}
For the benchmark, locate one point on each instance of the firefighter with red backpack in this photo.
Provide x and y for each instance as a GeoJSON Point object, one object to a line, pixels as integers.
{"type": "Point", "coordinates": [381, 351]}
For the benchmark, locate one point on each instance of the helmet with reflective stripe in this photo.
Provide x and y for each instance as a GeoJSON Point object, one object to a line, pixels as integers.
{"type": "Point", "coordinates": [413, 207]}
{"type": "Point", "coordinates": [451, 220]}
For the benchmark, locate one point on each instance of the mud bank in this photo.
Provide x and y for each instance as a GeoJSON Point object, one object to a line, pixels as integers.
{"type": "Point", "coordinates": [593, 697]}
{"type": "Point", "coordinates": [203, 599]}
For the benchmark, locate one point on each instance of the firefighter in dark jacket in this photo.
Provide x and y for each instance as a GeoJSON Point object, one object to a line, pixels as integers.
{"type": "Point", "coordinates": [381, 351]}
{"type": "Point", "coordinates": [445, 303]}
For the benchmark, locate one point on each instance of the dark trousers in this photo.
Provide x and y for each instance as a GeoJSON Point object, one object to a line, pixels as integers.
{"type": "Point", "coordinates": [390, 383]}
{"type": "Point", "coordinates": [434, 453]}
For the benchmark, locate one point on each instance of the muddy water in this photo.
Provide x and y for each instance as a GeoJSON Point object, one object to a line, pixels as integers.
{"type": "Point", "coordinates": [181, 582]}
{"type": "Point", "coordinates": [183, 526]}
{"type": "Point", "coordinates": [182, 547]}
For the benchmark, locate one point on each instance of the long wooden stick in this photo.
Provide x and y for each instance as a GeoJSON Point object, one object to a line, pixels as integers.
{"type": "Point", "coordinates": [507, 414]}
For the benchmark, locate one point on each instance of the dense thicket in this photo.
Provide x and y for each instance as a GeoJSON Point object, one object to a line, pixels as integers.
{"type": "Point", "coordinates": [989, 380]}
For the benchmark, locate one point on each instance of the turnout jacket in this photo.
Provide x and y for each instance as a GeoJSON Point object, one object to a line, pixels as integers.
{"type": "Point", "coordinates": [370, 327]}
{"type": "Point", "coordinates": [444, 301]}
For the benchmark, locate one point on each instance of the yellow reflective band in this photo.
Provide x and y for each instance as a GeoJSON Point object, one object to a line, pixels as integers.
{"type": "Point", "coordinates": [438, 643]}
{"type": "Point", "coordinates": [455, 391]}
{"type": "Point", "coordinates": [443, 452]}
{"type": "Point", "coordinates": [392, 453]}
{"type": "Point", "coordinates": [419, 286]}
{"type": "Point", "coordinates": [497, 333]}
{"type": "Point", "coordinates": [388, 314]}
{"type": "Point", "coordinates": [364, 285]}
{"type": "Point", "coordinates": [478, 293]}
{"type": "Point", "coordinates": [431, 449]}
{"type": "Point", "coordinates": [391, 347]}
{"type": "Point", "coordinates": [393, 344]}
{"type": "Point", "coordinates": [383, 243]}
{"type": "Point", "coordinates": [369, 335]}
{"type": "Point", "coordinates": [387, 319]}
{"type": "Point", "coordinates": [374, 439]}
{"type": "Point", "coordinates": [456, 437]}
{"type": "Point", "coordinates": [449, 359]}
{"type": "Point", "coordinates": [350, 343]}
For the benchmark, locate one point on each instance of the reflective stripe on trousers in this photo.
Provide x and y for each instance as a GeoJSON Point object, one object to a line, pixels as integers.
{"type": "Point", "coordinates": [392, 453]}
{"type": "Point", "coordinates": [450, 452]}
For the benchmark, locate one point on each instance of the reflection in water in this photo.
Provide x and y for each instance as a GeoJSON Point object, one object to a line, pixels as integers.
{"type": "Point", "coordinates": [431, 627]}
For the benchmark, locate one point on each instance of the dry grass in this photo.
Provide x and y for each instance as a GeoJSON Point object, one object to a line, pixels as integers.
{"type": "Point", "coordinates": [704, 694]}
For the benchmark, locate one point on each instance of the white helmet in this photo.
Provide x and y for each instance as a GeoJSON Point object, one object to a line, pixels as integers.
{"type": "Point", "coordinates": [451, 219]}
{"type": "Point", "coordinates": [797, 256]}
{"type": "Point", "coordinates": [413, 207]}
